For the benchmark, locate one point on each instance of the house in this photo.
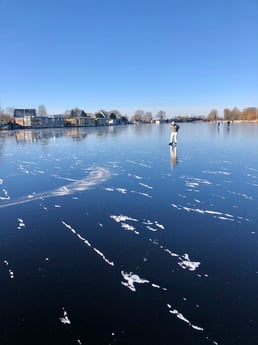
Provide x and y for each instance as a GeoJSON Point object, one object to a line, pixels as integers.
{"type": "Point", "coordinates": [23, 116]}
{"type": "Point", "coordinates": [18, 113]}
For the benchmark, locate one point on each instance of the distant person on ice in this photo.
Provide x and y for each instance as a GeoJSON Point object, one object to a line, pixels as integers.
{"type": "Point", "coordinates": [174, 133]}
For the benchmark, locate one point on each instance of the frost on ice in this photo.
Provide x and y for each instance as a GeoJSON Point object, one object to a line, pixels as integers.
{"type": "Point", "coordinates": [131, 279]}
{"type": "Point", "coordinates": [65, 320]}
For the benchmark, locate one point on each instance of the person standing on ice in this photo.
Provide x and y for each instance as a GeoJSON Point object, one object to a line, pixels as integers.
{"type": "Point", "coordinates": [174, 133]}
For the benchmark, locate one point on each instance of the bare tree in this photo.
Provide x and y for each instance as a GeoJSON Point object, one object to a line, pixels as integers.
{"type": "Point", "coordinates": [76, 112]}
{"type": "Point", "coordinates": [249, 114]}
{"type": "Point", "coordinates": [67, 112]}
{"type": "Point", "coordinates": [161, 115]}
{"type": "Point", "coordinates": [235, 113]}
{"type": "Point", "coordinates": [147, 117]}
{"type": "Point", "coordinates": [6, 118]}
{"type": "Point", "coordinates": [9, 111]}
{"type": "Point", "coordinates": [227, 114]}
{"type": "Point", "coordinates": [213, 115]}
{"type": "Point", "coordinates": [138, 116]}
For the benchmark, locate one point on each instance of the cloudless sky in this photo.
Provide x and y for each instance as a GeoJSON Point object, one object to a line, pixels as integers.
{"type": "Point", "coordinates": [185, 57]}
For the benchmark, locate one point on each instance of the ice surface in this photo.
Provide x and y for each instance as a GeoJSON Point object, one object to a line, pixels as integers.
{"type": "Point", "coordinates": [139, 195]}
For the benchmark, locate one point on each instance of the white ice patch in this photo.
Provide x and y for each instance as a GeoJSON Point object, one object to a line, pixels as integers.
{"type": "Point", "coordinates": [159, 225]}
{"type": "Point", "coordinates": [148, 223]}
{"type": "Point", "coordinates": [183, 318]}
{"type": "Point", "coordinates": [215, 214]}
{"type": "Point", "coordinates": [122, 218]}
{"type": "Point", "coordinates": [111, 263]}
{"type": "Point", "coordinates": [6, 196]}
{"type": "Point", "coordinates": [194, 182]}
{"type": "Point", "coordinates": [184, 260]}
{"type": "Point", "coordinates": [156, 286]}
{"type": "Point", "coordinates": [186, 263]}
{"type": "Point", "coordinates": [64, 319]}
{"type": "Point", "coordinates": [21, 224]}
{"type": "Point", "coordinates": [136, 176]}
{"type": "Point", "coordinates": [151, 229]}
{"type": "Point", "coordinates": [64, 178]}
{"type": "Point", "coordinates": [217, 172]}
{"type": "Point", "coordinates": [143, 194]}
{"type": "Point", "coordinates": [129, 228]}
{"type": "Point", "coordinates": [131, 279]}
{"type": "Point", "coordinates": [245, 196]}
{"type": "Point", "coordinates": [120, 190]}
{"type": "Point", "coordinates": [141, 164]}
{"type": "Point", "coordinates": [191, 184]}
{"type": "Point", "coordinates": [11, 274]}
{"type": "Point", "coordinates": [145, 185]}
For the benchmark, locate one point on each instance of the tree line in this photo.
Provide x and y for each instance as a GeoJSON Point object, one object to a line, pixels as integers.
{"type": "Point", "coordinates": [248, 114]}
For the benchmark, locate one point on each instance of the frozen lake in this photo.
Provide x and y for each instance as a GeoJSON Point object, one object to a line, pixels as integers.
{"type": "Point", "coordinates": [109, 236]}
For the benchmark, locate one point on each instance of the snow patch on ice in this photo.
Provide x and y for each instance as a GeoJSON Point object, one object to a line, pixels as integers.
{"type": "Point", "coordinates": [21, 224]}
{"type": "Point", "coordinates": [183, 318]}
{"type": "Point", "coordinates": [64, 319]}
{"type": "Point", "coordinates": [6, 196]}
{"type": "Point", "coordinates": [111, 263]}
{"type": "Point", "coordinates": [131, 279]}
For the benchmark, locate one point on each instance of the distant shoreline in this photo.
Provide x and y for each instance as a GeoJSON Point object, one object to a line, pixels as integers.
{"type": "Point", "coordinates": [14, 126]}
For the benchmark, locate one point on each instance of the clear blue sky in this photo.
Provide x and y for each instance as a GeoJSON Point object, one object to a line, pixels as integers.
{"type": "Point", "coordinates": [182, 56]}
